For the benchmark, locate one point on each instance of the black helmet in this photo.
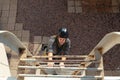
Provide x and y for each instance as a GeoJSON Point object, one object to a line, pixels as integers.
{"type": "Point", "coordinates": [63, 32]}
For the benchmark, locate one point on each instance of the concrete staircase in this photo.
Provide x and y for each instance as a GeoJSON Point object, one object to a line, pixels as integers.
{"type": "Point", "coordinates": [8, 10]}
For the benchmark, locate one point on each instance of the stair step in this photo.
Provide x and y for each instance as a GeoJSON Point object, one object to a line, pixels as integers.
{"type": "Point", "coordinates": [72, 68]}
{"type": "Point", "coordinates": [58, 76]}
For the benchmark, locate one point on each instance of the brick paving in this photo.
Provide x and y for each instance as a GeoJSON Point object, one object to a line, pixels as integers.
{"type": "Point", "coordinates": [45, 17]}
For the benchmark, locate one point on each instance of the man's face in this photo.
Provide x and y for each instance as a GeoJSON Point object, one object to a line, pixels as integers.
{"type": "Point", "coordinates": [61, 40]}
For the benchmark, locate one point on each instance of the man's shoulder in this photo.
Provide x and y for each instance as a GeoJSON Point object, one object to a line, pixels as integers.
{"type": "Point", "coordinates": [53, 37]}
{"type": "Point", "coordinates": [68, 40]}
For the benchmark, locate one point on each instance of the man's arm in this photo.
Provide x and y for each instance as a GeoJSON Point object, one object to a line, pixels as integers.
{"type": "Point", "coordinates": [50, 56]}
{"type": "Point", "coordinates": [65, 52]}
{"type": "Point", "coordinates": [50, 64]}
{"type": "Point", "coordinates": [67, 47]}
{"type": "Point", "coordinates": [50, 51]}
{"type": "Point", "coordinates": [62, 63]}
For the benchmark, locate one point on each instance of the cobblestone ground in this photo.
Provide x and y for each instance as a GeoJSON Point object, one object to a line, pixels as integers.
{"type": "Point", "coordinates": [45, 17]}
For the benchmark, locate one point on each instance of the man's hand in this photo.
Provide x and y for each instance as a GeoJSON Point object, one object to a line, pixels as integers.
{"type": "Point", "coordinates": [50, 64]}
{"type": "Point", "coordinates": [50, 56]}
{"type": "Point", "coordinates": [62, 65]}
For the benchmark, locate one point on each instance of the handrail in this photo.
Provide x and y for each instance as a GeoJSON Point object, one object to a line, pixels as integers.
{"type": "Point", "coordinates": [11, 40]}
{"type": "Point", "coordinates": [107, 42]}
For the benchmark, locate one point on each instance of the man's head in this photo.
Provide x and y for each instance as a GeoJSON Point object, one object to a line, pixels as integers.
{"type": "Point", "coordinates": [63, 34]}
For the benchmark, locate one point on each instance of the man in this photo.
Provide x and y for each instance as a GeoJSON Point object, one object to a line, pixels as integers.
{"type": "Point", "coordinates": [59, 45]}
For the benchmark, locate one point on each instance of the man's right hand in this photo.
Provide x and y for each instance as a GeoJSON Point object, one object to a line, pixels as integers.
{"type": "Point", "coordinates": [50, 64]}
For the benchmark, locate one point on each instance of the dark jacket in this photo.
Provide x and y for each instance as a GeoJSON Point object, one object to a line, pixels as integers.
{"type": "Point", "coordinates": [55, 49]}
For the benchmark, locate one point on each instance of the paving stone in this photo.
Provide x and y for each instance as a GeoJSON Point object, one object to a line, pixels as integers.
{"type": "Point", "coordinates": [13, 5]}
{"type": "Point", "coordinates": [4, 20]}
{"type": "Point", "coordinates": [108, 3]}
{"type": "Point", "coordinates": [10, 26]}
{"type": "Point", "coordinates": [7, 26]}
{"type": "Point", "coordinates": [71, 6]}
{"type": "Point", "coordinates": [37, 48]}
{"type": "Point", "coordinates": [116, 73]}
{"type": "Point", "coordinates": [11, 20]}
{"type": "Point", "coordinates": [26, 44]}
{"type": "Point", "coordinates": [112, 73]}
{"type": "Point", "coordinates": [12, 31]}
{"type": "Point", "coordinates": [45, 40]}
{"type": "Point", "coordinates": [17, 33]}
{"type": "Point", "coordinates": [1, 2]}
{"type": "Point", "coordinates": [25, 36]}
{"type": "Point", "coordinates": [71, 3]}
{"type": "Point", "coordinates": [0, 13]}
{"type": "Point", "coordinates": [78, 9]}
{"type": "Point", "coordinates": [6, 4]}
{"type": "Point", "coordinates": [37, 39]}
{"type": "Point", "coordinates": [115, 9]}
{"type": "Point", "coordinates": [71, 9]}
{"type": "Point", "coordinates": [78, 3]}
{"type": "Point", "coordinates": [5, 13]}
{"type": "Point", "coordinates": [3, 26]}
{"type": "Point", "coordinates": [5, 7]}
{"type": "Point", "coordinates": [12, 13]}
{"type": "Point", "coordinates": [13, 2]}
{"type": "Point", "coordinates": [19, 26]}
{"type": "Point", "coordinates": [25, 33]}
{"type": "Point", "coordinates": [115, 2]}
{"type": "Point", "coordinates": [108, 10]}
{"type": "Point", "coordinates": [5, 1]}
{"type": "Point", "coordinates": [93, 2]}
{"type": "Point", "coordinates": [25, 39]}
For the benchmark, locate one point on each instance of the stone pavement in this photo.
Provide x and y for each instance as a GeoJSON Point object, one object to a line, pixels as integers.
{"type": "Point", "coordinates": [8, 10]}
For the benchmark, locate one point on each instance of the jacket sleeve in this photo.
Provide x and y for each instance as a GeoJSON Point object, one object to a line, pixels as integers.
{"type": "Point", "coordinates": [67, 48]}
{"type": "Point", "coordinates": [50, 45]}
